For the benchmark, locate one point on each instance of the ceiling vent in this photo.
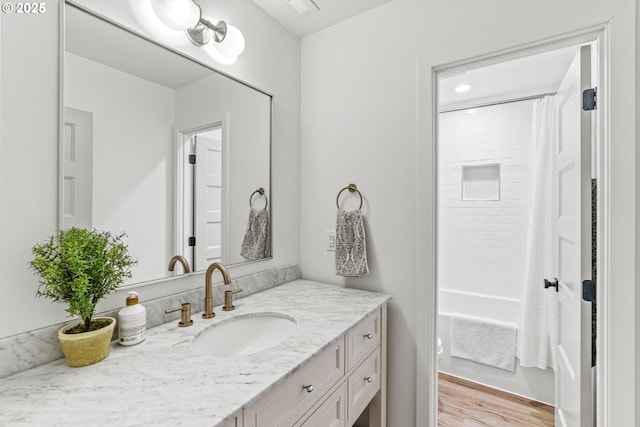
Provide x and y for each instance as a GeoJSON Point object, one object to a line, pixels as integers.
{"type": "Point", "coordinates": [303, 7]}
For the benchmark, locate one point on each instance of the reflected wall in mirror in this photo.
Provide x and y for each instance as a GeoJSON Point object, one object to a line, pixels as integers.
{"type": "Point", "coordinates": [160, 147]}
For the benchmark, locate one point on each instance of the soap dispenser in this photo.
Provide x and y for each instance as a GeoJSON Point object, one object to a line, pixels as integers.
{"type": "Point", "coordinates": [132, 321]}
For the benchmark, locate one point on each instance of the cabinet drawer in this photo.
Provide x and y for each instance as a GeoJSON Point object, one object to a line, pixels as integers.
{"type": "Point", "coordinates": [331, 413]}
{"type": "Point", "coordinates": [289, 401]}
{"type": "Point", "coordinates": [363, 384]}
{"type": "Point", "coordinates": [363, 338]}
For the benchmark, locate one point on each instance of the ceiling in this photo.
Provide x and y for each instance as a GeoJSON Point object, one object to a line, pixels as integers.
{"type": "Point", "coordinates": [531, 75]}
{"type": "Point", "coordinates": [331, 12]}
{"type": "Point", "coordinates": [100, 41]}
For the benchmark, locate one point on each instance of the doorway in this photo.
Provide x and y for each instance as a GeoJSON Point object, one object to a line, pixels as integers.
{"type": "Point", "coordinates": [201, 164]}
{"type": "Point", "coordinates": [497, 326]}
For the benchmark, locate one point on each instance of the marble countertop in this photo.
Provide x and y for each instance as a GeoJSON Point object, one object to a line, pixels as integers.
{"type": "Point", "coordinates": [161, 381]}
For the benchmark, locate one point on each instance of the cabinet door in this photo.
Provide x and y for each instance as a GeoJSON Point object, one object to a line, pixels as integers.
{"type": "Point", "coordinates": [331, 413]}
{"type": "Point", "coordinates": [363, 385]}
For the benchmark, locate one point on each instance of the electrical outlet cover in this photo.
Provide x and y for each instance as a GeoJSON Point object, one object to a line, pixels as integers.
{"type": "Point", "coordinates": [331, 240]}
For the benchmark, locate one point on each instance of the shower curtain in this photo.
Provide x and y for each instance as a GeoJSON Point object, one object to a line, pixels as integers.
{"type": "Point", "coordinates": [538, 322]}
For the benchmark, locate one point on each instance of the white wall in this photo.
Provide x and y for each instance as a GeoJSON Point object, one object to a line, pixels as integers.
{"type": "Point", "coordinates": [367, 100]}
{"type": "Point", "coordinates": [29, 147]}
{"type": "Point", "coordinates": [28, 160]}
{"type": "Point", "coordinates": [481, 244]}
{"type": "Point", "coordinates": [132, 159]}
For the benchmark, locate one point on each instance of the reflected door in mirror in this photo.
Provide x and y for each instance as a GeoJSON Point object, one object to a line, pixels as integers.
{"type": "Point", "coordinates": [77, 189]}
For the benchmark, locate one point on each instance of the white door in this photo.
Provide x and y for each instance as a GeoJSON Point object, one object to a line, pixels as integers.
{"type": "Point", "coordinates": [572, 247]}
{"type": "Point", "coordinates": [77, 186]}
{"type": "Point", "coordinates": [208, 199]}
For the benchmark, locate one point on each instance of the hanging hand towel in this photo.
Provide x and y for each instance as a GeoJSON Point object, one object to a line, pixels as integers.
{"type": "Point", "coordinates": [351, 248]}
{"type": "Point", "coordinates": [256, 243]}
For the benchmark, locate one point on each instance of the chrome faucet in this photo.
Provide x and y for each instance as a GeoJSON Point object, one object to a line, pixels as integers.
{"type": "Point", "coordinates": [208, 287]}
{"type": "Point", "coordinates": [182, 260]}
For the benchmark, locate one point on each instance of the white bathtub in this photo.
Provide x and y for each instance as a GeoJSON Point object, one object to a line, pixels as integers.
{"type": "Point", "coordinates": [531, 383]}
{"type": "Point", "coordinates": [480, 305]}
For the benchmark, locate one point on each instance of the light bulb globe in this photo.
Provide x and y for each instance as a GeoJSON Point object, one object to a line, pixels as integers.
{"type": "Point", "coordinates": [233, 44]}
{"type": "Point", "coordinates": [177, 14]}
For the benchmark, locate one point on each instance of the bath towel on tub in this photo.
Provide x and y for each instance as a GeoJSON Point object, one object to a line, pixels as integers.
{"type": "Point", "coordinates": [351, 248]}
{"type": "Point", "coordinates": [487, 341]}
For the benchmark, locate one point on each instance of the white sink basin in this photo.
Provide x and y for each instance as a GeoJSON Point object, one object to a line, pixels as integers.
{"type": "Point", "coordinates": [244, 334]}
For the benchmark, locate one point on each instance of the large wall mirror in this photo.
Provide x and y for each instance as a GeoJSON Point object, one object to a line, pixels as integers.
{"type": "Point", "coordinates": [158, 146]}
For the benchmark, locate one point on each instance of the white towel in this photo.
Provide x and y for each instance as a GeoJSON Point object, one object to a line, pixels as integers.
{"type": "Point", "coordinates": [484, 340]}
{"type": "Point", "coordinates": [257, 242]}
{"type": "Point", "coordinates": [351, 247]}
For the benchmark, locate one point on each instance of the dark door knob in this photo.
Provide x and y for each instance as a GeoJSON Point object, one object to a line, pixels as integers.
{"type": "Point", "coordinates": [551, 283]}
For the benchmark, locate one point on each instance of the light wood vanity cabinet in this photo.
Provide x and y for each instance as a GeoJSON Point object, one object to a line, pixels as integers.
{"type": "Point", "coordinates": [336, 387]}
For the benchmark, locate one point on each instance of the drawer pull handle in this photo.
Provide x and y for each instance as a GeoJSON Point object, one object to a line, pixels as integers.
{"type": "Point", "coordinates": [368, 379]}
{"type": "Point", "coordinates": [368, 336]}
{"type": "Point", "coordinates": [308, 387]}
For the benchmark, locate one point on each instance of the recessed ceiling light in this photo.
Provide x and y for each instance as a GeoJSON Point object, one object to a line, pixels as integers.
{"type": "Point", "coordinates": [463, 87]}
{"type": "Point", "coordinates": [471, 111]}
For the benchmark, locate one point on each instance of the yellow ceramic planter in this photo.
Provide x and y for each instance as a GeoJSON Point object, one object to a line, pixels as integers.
{"type": "Point", "coordinates": [86, 348]}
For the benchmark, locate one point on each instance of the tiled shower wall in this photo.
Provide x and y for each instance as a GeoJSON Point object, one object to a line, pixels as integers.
{"type": "Point", "coordinates": [482, 243]}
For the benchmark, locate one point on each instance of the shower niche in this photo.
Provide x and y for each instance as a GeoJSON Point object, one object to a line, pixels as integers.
{"type": "Point", "coordinates": [481, 182]}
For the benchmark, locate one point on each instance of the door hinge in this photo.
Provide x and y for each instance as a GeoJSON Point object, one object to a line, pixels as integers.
{"type": "Point", "coordinates": [590, 99]}
{"type": "Point", "coordinates": [191, 241]}
{"type": "Point", "coordinates": [589, 290]}
{"type": "Point", "coordinates": [192, 159]}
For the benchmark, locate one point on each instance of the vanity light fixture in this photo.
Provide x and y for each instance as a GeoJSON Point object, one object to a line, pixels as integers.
{"type": "Point", "coordinates": [185, 15]}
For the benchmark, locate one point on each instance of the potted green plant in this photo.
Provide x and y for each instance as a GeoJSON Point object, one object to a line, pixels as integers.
{"type": "Point", "coordinates": [79, 267]}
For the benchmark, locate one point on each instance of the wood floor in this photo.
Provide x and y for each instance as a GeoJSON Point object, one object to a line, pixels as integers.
{"type": "Point", "coordinates": [465, 404]}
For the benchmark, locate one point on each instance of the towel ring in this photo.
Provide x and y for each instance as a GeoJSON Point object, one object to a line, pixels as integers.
{"type": "Point", "coordinates": [261, 192]}
{"type": "Point", "coordinates": [352, 189]}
